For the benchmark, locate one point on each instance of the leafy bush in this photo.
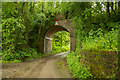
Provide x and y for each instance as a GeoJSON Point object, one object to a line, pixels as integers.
{"type": "Point", "coordinates": [20, 55]}
{"type": "Point", "coordinates": [58, 49]}
{"type": "Point", "coordinates": [101, 41]}
{"type": "Point", "coordinates": [75, 67]}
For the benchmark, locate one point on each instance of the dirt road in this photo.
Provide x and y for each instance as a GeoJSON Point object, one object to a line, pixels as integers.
{"type": "Point", "coordinates": [48, 67]}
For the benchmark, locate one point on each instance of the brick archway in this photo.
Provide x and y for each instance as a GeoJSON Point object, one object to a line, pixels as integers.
{"type": "Point", "coordinates": [64, 25]}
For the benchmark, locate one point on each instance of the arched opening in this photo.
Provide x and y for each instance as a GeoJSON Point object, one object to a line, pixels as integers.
{"type": "Point", "coordinates": [49, 35]}
{"type": "Point", "coordinates": [63, 25]}
{"type": "Point", "coordinates": [61, 42]}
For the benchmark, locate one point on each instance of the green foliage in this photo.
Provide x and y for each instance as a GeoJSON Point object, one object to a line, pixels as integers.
{"type": "Point", "coordinates": [58, 49]}
{"type": "Point", "coordinates": [20, 55]}
{"type": "Point", "coordinates": [56, 42]}
{"type": "Point", "coordinates": [101, 41]}
{"type": "Point", "coordinates": [11, 27]}
{"type": "Point", "coordinates": [25, 23]}
{"type": "Point", "coordinates": [15, 61]}
{"type": "Point", "coordinates": [96, 27]}
{"type": "Point", "coordinates": [76, 68]}
{"type": "Point", "coordinates": [21, 27]}
{"type": "Point", "coordinates": [57, 39]}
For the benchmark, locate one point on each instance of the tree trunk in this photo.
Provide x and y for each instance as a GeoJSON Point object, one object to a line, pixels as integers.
{"type": "Point", "coordinates": [115, 6]}
{"type": "Point", "coordinates": [108, 10]}
{"type": "Point", "coordinates": [42, 6]}
{"type": "Point", "coordinates": [19, 31]}
{"type": "Point", "coordinates": [39, 33]}
{"type": "Point", "coordinates": [32, 7]}
{"type": "Point", "coordinates": [23, 12]}
{"type": "Point", "coordinates": [119, 5]}
{"type": "Point", "coordinates": [112, 6]}
{"type": "Point", "coordinates": [17, 38]}
{"type": "Point", "coordinates": [119, 11]}
{"type": "Point", "coordinates": [27, 26]}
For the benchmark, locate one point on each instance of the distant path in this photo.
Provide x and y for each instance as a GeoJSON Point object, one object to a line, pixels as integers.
{"type": "Point", "coordinates": [48, 67]}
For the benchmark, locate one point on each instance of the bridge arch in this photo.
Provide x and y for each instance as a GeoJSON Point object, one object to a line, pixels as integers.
{"type": "Point", "coordinates": [64, 25]}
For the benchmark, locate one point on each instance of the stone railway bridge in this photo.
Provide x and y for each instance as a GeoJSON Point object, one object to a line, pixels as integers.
{"type": "Point", "coordinates": [63, 25]}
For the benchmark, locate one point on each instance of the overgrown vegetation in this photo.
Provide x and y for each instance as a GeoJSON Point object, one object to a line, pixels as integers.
{"type": "Point", "coordinates": [76, 68]}
{"type": "Point", "coordinates": [61, 42]}
{"type": "Point", "coordinates": [24, 25]}
{"type": "Point", "coordinates": [98, 40]}
{"type": "Point", "coordinates": [96, 26]}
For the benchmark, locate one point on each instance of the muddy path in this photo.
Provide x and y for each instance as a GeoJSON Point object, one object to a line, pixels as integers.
{"type": "Point", "coordinates": [48, 67]}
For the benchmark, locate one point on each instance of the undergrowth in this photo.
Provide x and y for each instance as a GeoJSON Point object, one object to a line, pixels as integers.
{"type": "Point", "coordinates": [21, 55]}
{"type": "Point", "coordinates": [99, 40]}
{"type": "Point", "coordinates": [58, 49]}
{"type": "Point", "coordinates": [76, 68]}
